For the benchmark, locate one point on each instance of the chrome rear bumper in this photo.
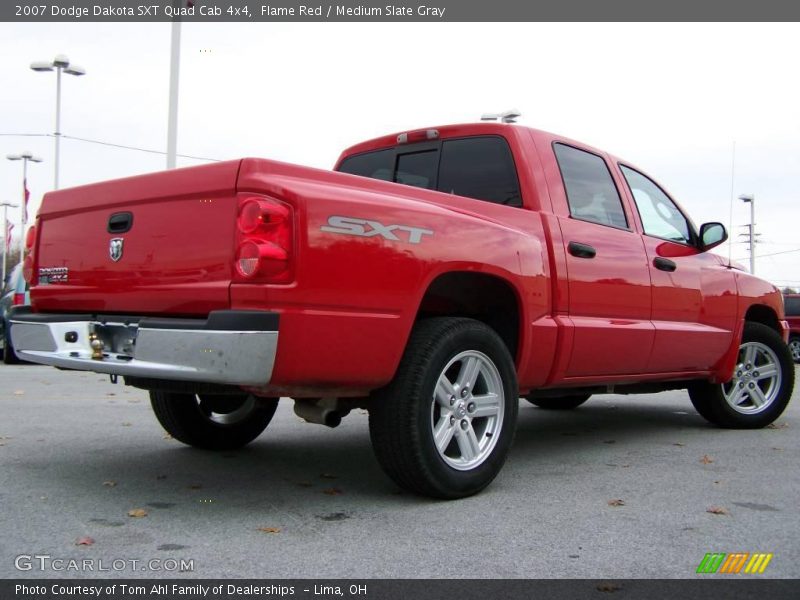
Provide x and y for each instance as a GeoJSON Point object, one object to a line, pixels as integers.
{"type": "Point", "coordinates": [229, 347]}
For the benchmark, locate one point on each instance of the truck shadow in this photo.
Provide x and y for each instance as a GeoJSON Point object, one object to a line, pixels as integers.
{"type": "Point", "coordinates": [319, 468]}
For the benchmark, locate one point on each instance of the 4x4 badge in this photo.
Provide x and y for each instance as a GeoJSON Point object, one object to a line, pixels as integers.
{"type": "Point", "coordinates": [115, 249]}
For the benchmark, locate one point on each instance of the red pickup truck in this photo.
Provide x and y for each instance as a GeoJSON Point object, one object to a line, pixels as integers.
{"type": "Point", "coordinates": [434, 278]}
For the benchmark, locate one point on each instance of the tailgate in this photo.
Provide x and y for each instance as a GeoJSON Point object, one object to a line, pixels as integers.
{"type": "Point", "coordinates": [158, 243]}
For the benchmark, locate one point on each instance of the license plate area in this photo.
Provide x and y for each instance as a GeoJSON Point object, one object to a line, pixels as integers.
{"type": "Point", "coordinates": [115, 340]}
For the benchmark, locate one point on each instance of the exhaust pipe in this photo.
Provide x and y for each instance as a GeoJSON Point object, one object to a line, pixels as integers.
{"type": "Point", "coordinates": [322, 411]}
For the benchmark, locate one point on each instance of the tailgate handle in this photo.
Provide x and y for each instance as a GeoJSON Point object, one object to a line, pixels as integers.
{"type": "Point", "coordinates": [120, 222]}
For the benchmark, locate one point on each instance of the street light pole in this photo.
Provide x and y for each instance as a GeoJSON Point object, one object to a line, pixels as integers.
{"type": "Point", "coordinates": [6, 245]}
{"type": "Point", "coordinates": [174, 82]}
{"type": "Point", "coordinates": [24, 157]}
{"type": "Point", "coordinates": [750, 198]}
{"type": "Point", "coordinates": [60, 63]}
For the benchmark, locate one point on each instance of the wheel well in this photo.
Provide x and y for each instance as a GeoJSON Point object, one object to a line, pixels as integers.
{"type": "Point", "coordinates": [758, 313]}
{"type": "Point", "coordinates": [477, 296]}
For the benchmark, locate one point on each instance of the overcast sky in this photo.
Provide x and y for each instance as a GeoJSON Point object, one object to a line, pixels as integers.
{"type": "Point", "coordinates": [671, 98]}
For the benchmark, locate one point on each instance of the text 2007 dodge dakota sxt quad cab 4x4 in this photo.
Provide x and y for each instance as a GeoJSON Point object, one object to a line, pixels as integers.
{"type": "Point", "coordinates": [434, 279]}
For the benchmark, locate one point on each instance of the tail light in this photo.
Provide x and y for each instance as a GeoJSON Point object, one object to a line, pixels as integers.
{"type": "Point", "coordinates": [265, 240]}
{"type": "Point", "coordinates": [30, 237]}
{"type": "Point", "coordinates": [418, 136]}
{"type": "Point", "coordinates": [19, 299]}
{"type": "Point", "coordinates": [28, 262]}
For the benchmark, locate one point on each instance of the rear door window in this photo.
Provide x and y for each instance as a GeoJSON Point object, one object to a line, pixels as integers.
{"type": "Point", "coordinates": [591, 193]}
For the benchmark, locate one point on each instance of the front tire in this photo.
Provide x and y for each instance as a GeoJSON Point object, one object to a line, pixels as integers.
{"type": "Point", "coordinates": [213, 422]}
{"type": "Point", "coordinates": [443, 427]}
{"type": "Point", "coordinates": [761, 387]}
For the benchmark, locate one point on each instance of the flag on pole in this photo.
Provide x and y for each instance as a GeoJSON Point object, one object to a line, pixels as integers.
{"type": "Point", "coordinates": [9, 227]}
{"type": "Point", "coordinates": [26, 194]}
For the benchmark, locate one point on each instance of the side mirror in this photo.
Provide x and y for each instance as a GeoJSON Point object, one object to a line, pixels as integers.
{"type": "Point", "coordinates": [712, 235]}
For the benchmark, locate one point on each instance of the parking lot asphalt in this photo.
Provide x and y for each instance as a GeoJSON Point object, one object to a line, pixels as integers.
{"type": "Point", "coordinates": [622, 487]}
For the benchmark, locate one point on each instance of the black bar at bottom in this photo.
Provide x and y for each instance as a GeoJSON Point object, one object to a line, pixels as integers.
{"type": "Point", "coordinates": [709, 587]}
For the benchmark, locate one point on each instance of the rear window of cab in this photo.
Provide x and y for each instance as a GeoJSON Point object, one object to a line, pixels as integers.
{"type": "Point", "coordinates": [480, 167]}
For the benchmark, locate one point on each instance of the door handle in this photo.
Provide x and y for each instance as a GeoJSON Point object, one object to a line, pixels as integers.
{"type": "Point", "coordinates": [664, 264]}
{"type": "Point", "coordinates": [581, 250]}
{"type": "Point", "coordinates": [120, 222]}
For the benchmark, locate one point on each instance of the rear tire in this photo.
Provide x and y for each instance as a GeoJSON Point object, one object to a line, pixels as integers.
{"type": "Point", "coordinates": [761, 387]}
{"type": "Point", "coordinates": [560, 403]}
{"type": "Point", "coordinates": [213, 422]}
{"type": "Point", "coordinates": [443, 427]}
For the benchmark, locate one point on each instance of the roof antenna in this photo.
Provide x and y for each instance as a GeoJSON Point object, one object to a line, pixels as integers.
{"type": "Point", "coordinates": [509, 116]}
{"type": "Point", "coordinates": [730, 216]}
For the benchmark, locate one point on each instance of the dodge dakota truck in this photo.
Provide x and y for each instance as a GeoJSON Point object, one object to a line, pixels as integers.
{"type": "Point", "coordinates": [434, 278]}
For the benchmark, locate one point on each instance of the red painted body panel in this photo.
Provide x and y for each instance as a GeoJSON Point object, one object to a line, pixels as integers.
{"type": "Point", "coordinates": [348, 311]}
{"type": "Point", "coordinates": [346, 318]}
{"type": "Point", "coordinates": [178, 253]}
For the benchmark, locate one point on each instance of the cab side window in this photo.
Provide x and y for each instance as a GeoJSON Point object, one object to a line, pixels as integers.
{"type": "Point", "coordinates": [591, 193]}
{"type": "Point", "coordinates": [660, 216]}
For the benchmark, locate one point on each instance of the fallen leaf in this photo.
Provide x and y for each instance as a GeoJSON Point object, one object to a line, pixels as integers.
{"type": "Point", "coordinates": [137, 513]}
{"type": "Point", "coordinates": [717, 510]}
{"type": "Point", "coordinates": [167, 436]}
{"type": "Point", "coordinates": [770, 426]}
{"type": "Point", "coordinates": [126, 424]}
{"type": "Point", "coordinates": [305, 483]}
{"type": "Point", "coordinates": [269, 529]}
{"type": "Point", "coordinates": [196, 486]}
{"type": "Point", "coordinates": [679, 444]}
{"type": "Point", "coordinates": [110, 394]}
{"type": "Point", "coordinates": [19, 392]}
{"type": "Point", "coordinates": [333, 492]}
{"type": "Point", "coordinates": [717, 481]}
{"type": "Point", "coordinates": [328, 476]}
{"type": "Point", "coordinates": [706, 460]}
{"type": "Point", "coordinates": [616, 502]}
{"type": "Point", "coordinates": [84, 541]}
{"type": "Point", "coordinates": [608, 588]}
{"type": "Point", "coordinates": [110, 483]}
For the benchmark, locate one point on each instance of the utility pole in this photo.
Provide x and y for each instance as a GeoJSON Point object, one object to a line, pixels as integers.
{"type": "Point", "coordinates": [25, 157]}
{"type": "Point", "coordinates": [750, 198]}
